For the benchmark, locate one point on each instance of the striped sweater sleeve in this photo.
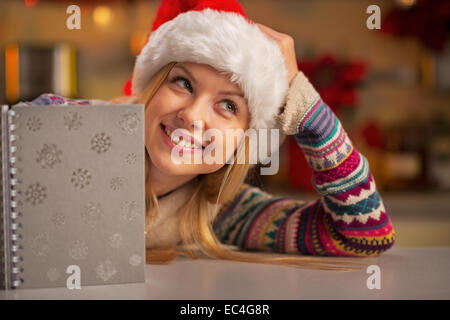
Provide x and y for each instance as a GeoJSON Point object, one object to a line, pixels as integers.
{"type": "Point", "coordinates": [348, 219]}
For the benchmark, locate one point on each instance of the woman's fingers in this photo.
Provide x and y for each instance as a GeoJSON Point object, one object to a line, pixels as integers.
{"type": "Point", "coordinates": [287, 46]}
{"type": "Point", "coordinates": [268, 30]}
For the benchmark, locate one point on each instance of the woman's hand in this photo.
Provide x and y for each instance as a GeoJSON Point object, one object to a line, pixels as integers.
{"type": "Point", "coordinates": [287, 47]}
{"type": "Point", "coordinates": [301, 93]}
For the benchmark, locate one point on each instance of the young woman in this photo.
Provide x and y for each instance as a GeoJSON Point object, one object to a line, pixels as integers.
{"type": "Point", "coordinates": [206, 66]}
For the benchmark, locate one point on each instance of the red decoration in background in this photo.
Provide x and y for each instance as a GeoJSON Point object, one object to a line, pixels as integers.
{"type": "Point", "coordinates": [373, 135]}
{"type": "Point", "coordinates": [334, 81]}
{"type": "Point", "coordinates": [300, 173]}
{"type": "Point", "coordinates": [427, 20]}
{"type": "Point", "coordinates": [127, 88]}
{"type": "Point", "coordinates": [30, 3]}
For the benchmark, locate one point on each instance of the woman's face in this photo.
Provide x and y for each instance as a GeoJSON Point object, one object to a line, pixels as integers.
{"type": "Point", "coordinates": [194, 96]}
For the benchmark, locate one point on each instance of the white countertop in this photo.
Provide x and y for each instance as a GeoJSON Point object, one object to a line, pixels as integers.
{"type": "Point", "coordinates": [406, 273]}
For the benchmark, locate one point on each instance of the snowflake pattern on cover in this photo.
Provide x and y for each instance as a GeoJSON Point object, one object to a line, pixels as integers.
{"type": "Point", "coordinates": [68, 231]}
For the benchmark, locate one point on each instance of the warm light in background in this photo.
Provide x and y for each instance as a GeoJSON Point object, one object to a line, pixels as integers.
{"type": "Point", "coordinates": [30, 3]}
{"type": "Point", "coordinates": [406, 3]}
{"type": "Point", "coordinates": [137, 42]}
{"type": "Point", "coordinates": [12, 72]}
{"type": "Point", "coordinates": [102, 16]}
{"type": "Point", "coordinates": [64, 70]}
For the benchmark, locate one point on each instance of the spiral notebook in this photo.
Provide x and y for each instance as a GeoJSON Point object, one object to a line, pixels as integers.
{"type": "Point", "coordinates": [73, 195]}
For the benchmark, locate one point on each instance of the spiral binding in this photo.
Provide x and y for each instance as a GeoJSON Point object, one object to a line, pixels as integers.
{"type": "Point", "coordinates": [14, 214]}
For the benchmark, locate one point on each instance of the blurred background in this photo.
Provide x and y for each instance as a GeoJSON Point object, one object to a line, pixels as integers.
{"type": "Point", "coordinates": [389, 87]}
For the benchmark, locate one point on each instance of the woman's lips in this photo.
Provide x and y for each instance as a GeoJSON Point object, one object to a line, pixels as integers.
{"type": "Point", "coordinates": [185, 135]}
{"type": "Point", "coordinates": [172, 144]}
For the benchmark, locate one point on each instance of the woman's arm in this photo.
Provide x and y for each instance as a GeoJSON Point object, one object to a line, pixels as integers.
{"type": "Point", "coordinates": [349, 219]}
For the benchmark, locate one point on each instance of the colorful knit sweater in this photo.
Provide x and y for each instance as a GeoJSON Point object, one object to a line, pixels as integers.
{"type": "Point", "coordinates": [349, 218]}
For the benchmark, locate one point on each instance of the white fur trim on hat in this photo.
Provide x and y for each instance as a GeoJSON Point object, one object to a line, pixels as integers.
{"type": "Point", "coordinates": [227, 42]}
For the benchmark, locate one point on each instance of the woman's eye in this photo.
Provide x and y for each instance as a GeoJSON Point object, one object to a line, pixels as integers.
{"type": "Point", "coordinates": [183, 80]}
{"type": "Point", "coordinates": [229, 106]}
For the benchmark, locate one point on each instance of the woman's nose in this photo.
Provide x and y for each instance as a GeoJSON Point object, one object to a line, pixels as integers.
{"type": "Point", "coordinates": [193, 115]}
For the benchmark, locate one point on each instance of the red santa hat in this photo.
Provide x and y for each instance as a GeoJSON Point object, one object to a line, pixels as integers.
{"type": "Point", "coordinates": [217, 33]}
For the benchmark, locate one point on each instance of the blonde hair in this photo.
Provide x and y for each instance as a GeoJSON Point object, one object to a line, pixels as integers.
{"type": "Point", "coordinates": [220, 187]}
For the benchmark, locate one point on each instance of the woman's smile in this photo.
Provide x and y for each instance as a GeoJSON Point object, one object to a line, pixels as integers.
{"type": "Point", "coordinates": [174, 141]}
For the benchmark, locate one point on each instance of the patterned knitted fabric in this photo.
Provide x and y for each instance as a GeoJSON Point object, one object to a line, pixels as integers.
{"type": "Point", "coordinates": [349, 219]}
{"type": "Point", "coordinates": [50, 98]}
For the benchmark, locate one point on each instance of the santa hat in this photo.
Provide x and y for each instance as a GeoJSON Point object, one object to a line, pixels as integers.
{"type": "Point", "coordinates": [217, 33]}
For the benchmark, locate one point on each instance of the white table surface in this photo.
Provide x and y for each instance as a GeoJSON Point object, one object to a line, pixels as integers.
{"type": "Point", "coordinates": [406, 273]}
